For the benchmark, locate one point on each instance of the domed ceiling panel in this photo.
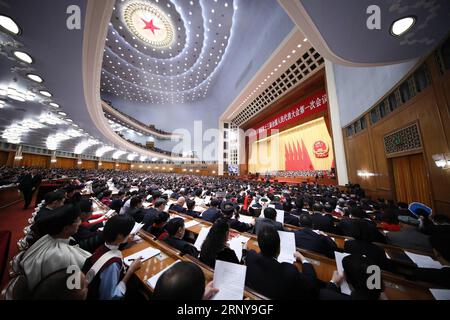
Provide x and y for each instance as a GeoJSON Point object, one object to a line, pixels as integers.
{"type": "Point", "coordinates": [165, 51]}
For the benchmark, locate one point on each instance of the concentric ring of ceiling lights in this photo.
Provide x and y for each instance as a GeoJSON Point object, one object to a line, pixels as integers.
{"type": "Point", "coordinates": [149, 24]}
{"type": "Point", "coordinates": [181, 73]}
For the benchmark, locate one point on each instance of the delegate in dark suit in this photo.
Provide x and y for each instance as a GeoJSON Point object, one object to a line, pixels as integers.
{"type": "Point", "coordinates": [309, 240]}
{"type": "Point", "coordinates": [260, 223]}
{"type": "Point", "coordinates": [323, 222]}
{"type": "Point", "coordinates": [291, 219]}
{"type": "Point", "coordinates": [346, 228]}
{"type": "Point", "coordinates": [277, 280]}
{"type": "Point", "coordinates": [372, 251]}
{"type": "Point", "coordinates": [182, 245]}
{"type": "Point", "coordinates": [211, 215]}
{"type": "Point", "coordinates": [177, 208]}
{"type": "Point", "coordinates": [26, 186]}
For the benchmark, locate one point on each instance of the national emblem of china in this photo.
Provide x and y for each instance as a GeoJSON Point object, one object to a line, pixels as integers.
{"type": "Point", "coordinates": [320, 149]}
{"type": "Point", "coordinates": [149, 24]}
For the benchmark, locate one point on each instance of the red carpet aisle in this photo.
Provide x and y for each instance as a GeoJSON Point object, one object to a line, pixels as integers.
{"type": "Point", "coordinates": [14, 219]}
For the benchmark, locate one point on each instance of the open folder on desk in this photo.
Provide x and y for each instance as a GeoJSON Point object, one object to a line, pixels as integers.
{"type": "Point", "coordinates": [191, 223]}
{"type": "Point", "coordinates": [153, 280]}
{"type": "Point", "coordinates": [423, 261]}
{"type": "Point", "coordinates": [345, 289]}
{"type": "Point", "coordinates": [143, 254]}
{"type": "Point", "coordinates": [201, 238]}
{"type": "Point", "coordinates": [440, 294]}
{"type": "Point", "coordinates": [229, 278]}
{"type": "Point", "coordinates": [287, 247]}
{"type": "Point", "coordinates": [246, 219]}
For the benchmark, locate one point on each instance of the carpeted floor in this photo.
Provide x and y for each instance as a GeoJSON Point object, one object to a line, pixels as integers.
{"type": "Point", "coordinates": [14, 219]}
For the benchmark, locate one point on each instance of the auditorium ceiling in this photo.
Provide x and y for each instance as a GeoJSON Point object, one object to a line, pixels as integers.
{"type": "Point", "coordinates": [42, 96]}
{"type": "Point", "coordinates": [172, 52]}
{"type": "Point", "coordinates": [363, 32]}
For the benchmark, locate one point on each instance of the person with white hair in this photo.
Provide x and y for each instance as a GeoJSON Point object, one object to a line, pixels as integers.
{"type": "Point", "coordinates": [179, 205]}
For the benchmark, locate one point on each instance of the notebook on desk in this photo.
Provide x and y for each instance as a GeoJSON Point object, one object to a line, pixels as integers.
{"type": "Point", "coordinates": [143, 254]}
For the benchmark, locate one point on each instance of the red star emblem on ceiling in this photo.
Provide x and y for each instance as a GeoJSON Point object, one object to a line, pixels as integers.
{"type": "Point", "coordinates": [150, 26]}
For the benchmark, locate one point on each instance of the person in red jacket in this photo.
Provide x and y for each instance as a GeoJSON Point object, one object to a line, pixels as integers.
{"type": "Point", "coordinates": [87, 218]}
{"type": "Point", "coordinates": [389, 220]}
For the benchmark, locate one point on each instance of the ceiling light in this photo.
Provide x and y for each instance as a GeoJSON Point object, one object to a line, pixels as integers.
{"type": "Point", "coordinates": [304, 40]}
{"type": "Point", "coordinates": [35, 78]}
{"type": "Point", "coordinates": [16, 97]}
{"type": "Point", "coordinates": [54, 105]}
{"type": "Point", "coordinates": [403, 25]}
{"type": "Point", "coordinates": [62, 113]}
{"type": "Point", "coordinates": [9, 25]}
{"type": "Point", "coordinates": [22, 56]}
{"type": "Point", "coordinates": [45, 93]}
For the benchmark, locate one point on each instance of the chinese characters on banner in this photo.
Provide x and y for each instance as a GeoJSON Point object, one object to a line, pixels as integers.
{"type": "Point", "coordinates": [299, 110]}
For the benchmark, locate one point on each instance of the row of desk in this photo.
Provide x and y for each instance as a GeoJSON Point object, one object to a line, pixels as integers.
{"type": "Point", "coordinates": [396, 287]}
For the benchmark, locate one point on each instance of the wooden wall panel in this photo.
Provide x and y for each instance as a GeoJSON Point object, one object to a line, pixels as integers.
{"type": "Point", "coordinates": [124, 166]}
{"type": "Point", "coordinates": [107, 165]}
{"type": "Point", "coordinates": [365, 150]}
{"type": "Point", "coordinates": [361, 160]}
{"type": "Point", "coordinates": [10, 162]}
{"type": "Point", "coordinates": [66, 163]}
{"type": "Point", "coordinates": [33, 160]}
{"type": "Point", "coordinates": [4, 158]}
{"type": "Point", "coordinates": [89, 164]}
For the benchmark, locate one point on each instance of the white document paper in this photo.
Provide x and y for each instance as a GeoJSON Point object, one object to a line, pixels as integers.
{"type": "Point", "coordinates": [137, 227]}
{"type": "Point", "coordinates": [280, 216]}
{"type": "Point", "coordinates": [424, 261]}
{"type": "Point", "coordinates": [242, 239]}
{"type": "Point", "coordinates": [246, 219]}
{"type": "Point", "coordinates": [198, 201]}
{"type": "Point", "coordinates": [287, 247]}
{"type": "Point", "coordinates": [229, 278]}
{"type": "Point", "coordinates": [201, 238]}
{"type": "Point", "coordinates": [237, 244]}
{"type": "Point", "coordinates": [110, 213]}
{"type": "Point", "coordinates": [441, 294]}
{"type": "Point", "coordinates": [191, 223]}
{"type": "Point", "coordinates": [153, 280]}
{"type": "Point", "coordinates": [345, 289]}
{"type": "Point", "coordinates": [146, 204]}
{"type": "Point", "coordinates": [143, 254]}
{"type": "Point", "coordinates": [98, 220]}
{"type": "Point", "coordinates": [237, 247]}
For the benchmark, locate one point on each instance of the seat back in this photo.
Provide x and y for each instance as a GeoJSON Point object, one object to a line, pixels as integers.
{"type": "Point", "coordinates": [5, 241]}
{"type": "Point", "coordinates": [16, 289]}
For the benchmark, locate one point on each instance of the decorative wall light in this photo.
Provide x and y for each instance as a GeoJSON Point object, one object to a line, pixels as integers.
{"type": "Point", "coordinates": [53, 159]}
{"type": "Point", "coordinates": [442, 160]}
{"type": "Point", "coordinates": [365, 174]}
